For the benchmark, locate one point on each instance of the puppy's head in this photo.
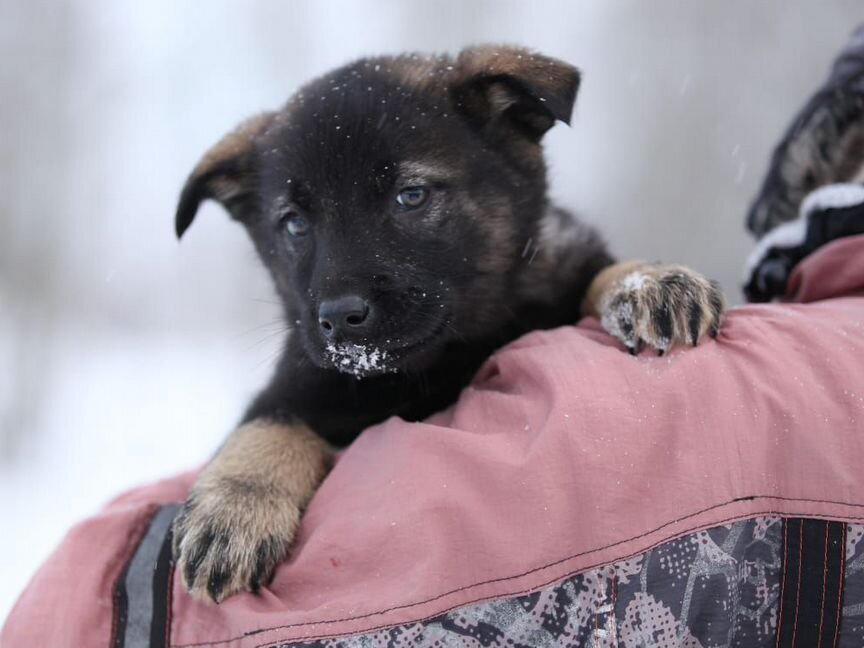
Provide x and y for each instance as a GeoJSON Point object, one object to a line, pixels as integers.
{"type": "Point", "coordinates": [392, 199]}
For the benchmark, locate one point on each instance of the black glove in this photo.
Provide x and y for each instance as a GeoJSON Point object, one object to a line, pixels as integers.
{"type": "Point", "coordinates": [829, 213]}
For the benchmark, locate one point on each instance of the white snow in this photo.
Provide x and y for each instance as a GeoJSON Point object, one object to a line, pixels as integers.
{"type": "Point", "coordinates": [357, 359]}
{"type": "Point", "coordinates": [611, 319]}
{"type": "Point", "coordinates": [634, 281]}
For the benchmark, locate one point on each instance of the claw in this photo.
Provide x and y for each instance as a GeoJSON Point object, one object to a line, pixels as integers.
{"type": "Point", "coordinates": [216, 583]}
{"type": "Point", "coordinates": [716, 305]}
{"type": "Point", "coordinates": [695, 322]}
{"type": "Point", "coordinates": [262, 565]}
{"type": "Point", "coordinates": [196, 558]}
{"type": "Point", "coordinates": [663, 322]}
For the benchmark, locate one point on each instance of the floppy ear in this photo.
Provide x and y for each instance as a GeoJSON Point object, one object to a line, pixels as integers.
{"type": "Point", "coordinates": [226, 174]}
{"type": "Point", "coordinates": [515, 87]}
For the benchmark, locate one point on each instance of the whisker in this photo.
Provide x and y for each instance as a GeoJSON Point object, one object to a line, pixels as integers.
{"type": "Point", "coordinates": [262, 300]}
{"type": "Point", "coordinates": [267, 337]}
{"type": "Point", "coordinates": [264, 339]}
{"type": "Point", "coordinates": [455, 331]}
{"type": "Point", "coordinates": [269, 361]}
{"type": "Point", "coordinates": [278, 323]}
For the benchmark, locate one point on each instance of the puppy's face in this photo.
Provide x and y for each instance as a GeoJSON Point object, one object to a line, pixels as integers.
{"type": "Point", "coordinates": [392, 199]}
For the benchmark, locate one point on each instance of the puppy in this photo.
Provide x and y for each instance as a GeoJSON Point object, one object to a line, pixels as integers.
{"type": "Point", "coordinates": [400, 206]}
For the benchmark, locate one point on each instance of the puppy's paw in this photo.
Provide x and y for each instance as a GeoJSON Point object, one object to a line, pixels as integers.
{"type": "Point", "coordinates": [230, 535]}
{"type": "Point", "coordinates": [244, 510]}
{"type": "Point", "coordinates": [661, 306]}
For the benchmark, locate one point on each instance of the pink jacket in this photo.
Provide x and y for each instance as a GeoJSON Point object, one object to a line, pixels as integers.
{"type": "Point", "coordinates": [539, 498]}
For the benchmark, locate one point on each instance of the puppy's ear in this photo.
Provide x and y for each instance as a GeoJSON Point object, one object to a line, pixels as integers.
{"type": "Point", "coordinates": [226, 174]}
{"type": "Point", "coordinates": [514, 87]}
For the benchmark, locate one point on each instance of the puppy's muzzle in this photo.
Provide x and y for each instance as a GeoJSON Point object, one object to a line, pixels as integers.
{"type": "Point", "coordinates": [348, 317]}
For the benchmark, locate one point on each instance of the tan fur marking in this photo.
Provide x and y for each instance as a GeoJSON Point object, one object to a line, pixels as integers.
{"type": "Point", "coordinates": [291, 457]}
{"type": "Point", "coordinates": [416, 71]}
{"type": "Point", "coordinates": [245, 507]}
{"type": "Point", "coordinates": [238, 142]}
{"type": "Point", "coordinates": [517, 62]}
{"type": "Point", "coordinates": [591, 305]}
{"type": "Point", "coordinates": [428, 171]}
{"type": "Point", "coordinates": [552, 82]}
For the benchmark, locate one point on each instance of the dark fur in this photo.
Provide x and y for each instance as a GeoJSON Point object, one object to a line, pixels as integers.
{"type": "Point", "coordinates": [823, 145]}
{"type": "Point", "coordinates": [484, 260]}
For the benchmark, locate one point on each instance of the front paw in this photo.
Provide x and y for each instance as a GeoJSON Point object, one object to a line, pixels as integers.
{"type": "Point", "coordinates": [231, 534]}
{"type": "Point", "coordinates": [661, 306]}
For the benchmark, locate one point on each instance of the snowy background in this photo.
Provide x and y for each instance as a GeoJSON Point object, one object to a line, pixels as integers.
{"type": "Point", "coordinates": [125, 356]}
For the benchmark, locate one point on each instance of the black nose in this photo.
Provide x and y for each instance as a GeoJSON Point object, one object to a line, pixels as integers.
{"type": "Point", "coordinates": [343, 316]}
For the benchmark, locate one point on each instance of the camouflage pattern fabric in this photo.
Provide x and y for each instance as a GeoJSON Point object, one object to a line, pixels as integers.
{"type": "Point", "coordinates": [718, 587]}
{"type": "Point", "coordinates": [852, 624]}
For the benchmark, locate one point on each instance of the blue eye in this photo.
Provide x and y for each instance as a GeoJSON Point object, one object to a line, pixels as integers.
{"type": "Point", "coordinates": [412, 197]}
{"type": "Point", "coordinates": [295, 224]}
